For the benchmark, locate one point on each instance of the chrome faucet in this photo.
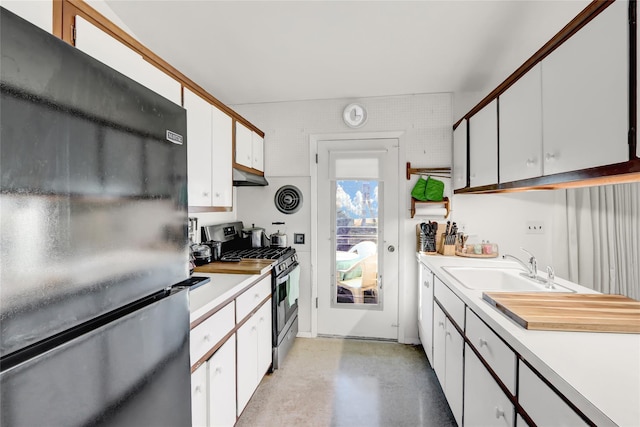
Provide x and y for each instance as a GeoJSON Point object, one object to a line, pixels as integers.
{"type": "Point", "coordinates": [531, 268]}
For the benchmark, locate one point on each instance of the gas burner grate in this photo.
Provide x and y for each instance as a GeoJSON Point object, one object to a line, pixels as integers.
{"type": "Point", "coordinates": [256, 253]}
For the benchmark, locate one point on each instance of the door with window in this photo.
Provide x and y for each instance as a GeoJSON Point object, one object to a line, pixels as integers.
{"type": "Point", "coordinates": [357, 238]}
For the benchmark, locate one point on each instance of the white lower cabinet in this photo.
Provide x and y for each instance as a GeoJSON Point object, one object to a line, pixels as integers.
{"type": "Point", "coordinates": [254, 353]}
{"type": "Point", "coordinates": [222, 385]}
{"type": "Point", "coordinates": [542, 404]}
{"type": "Point", "coordinates": [425, 310]}
{"type": "Point", "coordinates": [484, 402]}
{"type": "Point", "coordinates": [448, 360]}
{"type": "Point", "coordinates": [199, 397]}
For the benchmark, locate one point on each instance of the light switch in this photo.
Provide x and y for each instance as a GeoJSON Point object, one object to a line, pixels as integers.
{"type": "Point", "coordinates": [298, 238]}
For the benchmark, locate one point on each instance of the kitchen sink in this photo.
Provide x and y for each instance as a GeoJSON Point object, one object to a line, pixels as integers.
{"type": "Point", "coordinates": [500, 279]}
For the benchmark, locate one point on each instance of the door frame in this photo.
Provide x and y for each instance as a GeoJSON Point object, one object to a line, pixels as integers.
{"type": "Point", "coordinates": [313, 168]}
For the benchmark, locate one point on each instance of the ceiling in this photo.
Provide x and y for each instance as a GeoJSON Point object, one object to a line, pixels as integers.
{"type": "Point", "coordinates": [246, 52]}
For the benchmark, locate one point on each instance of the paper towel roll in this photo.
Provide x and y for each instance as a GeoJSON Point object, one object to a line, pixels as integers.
{"type": "Point", "coordinates": [431, 211]}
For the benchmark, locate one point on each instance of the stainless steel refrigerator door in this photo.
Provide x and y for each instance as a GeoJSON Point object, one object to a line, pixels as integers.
{"type": "Point", "coordinates": [93, 205]}
{"type": "Point", "coordinates": [133, 371]}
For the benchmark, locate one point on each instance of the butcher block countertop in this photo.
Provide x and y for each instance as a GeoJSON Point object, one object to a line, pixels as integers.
{"type": "Point", "coordinates": [569, 312]}
{"type": "Point", "coordinates": [246, 266]}
{"type": "Point", "coordinates": [599, 372]}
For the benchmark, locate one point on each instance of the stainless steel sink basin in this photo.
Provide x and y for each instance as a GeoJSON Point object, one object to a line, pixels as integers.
{"type": "Point", "coordinates": [500, 279]}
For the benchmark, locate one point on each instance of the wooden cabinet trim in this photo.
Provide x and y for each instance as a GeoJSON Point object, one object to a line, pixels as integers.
{"type": "Point", "coordinates": [64, 13]}
{"type": "Point", "coordinates": [618, 173]}
{"type": "Point", "coordinates": [587, 14]}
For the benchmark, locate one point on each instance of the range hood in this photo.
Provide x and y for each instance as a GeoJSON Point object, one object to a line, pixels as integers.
{"type": "Point", "coordinates": [245, 179]}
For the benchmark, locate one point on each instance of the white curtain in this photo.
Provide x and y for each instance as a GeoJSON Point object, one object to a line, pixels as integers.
{"type": "Point", "coordinates": [603, 225]}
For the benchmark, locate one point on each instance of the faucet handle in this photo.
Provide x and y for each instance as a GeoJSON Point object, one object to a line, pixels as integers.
{"type": "Point", "coordinates": [551, 276]}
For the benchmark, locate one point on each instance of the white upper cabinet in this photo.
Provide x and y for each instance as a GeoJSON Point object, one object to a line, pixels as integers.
{"type": "Point", "coordinates": [222, 184]}
{"type": "Point", "coordinates": [121, 58]}
{"type": "Point", "coordinates": [199, 149]}
{"type": "Point", "coordinates": [244, 145]}
{"type": "Point", "coordinates": [39, 13]}
{"type": "Point", "coordinates": [257, 143]}
{"type": "Point", "coordinates": [483, 146]}
{"type": "Point", "coordinates": [460, 155]}
{"type": "Point", "coordinates": [521, 128]}
{"type": "Point", "coordinates": [209, 134]}
{"type": "Point", "coordinates": [585, 95]}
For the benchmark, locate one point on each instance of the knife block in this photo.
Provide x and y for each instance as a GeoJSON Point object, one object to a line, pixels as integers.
{"type": "Point", "coordinates": [448, 250]}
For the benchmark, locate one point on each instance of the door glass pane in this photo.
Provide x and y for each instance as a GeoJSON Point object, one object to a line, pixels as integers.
{"type": "Point", "coordinates": [356, 242]}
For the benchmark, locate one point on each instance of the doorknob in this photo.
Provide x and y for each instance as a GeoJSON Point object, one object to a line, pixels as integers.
{"type": "Point", "coordinates": [391, 248]}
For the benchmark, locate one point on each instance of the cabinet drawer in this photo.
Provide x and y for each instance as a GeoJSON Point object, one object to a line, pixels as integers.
{"type": "Point", "coordinates": [493, 350]}
{"type": "Point", "coordinates": [484, 402]}
{"type": "Point", "coordinates": [451, 303]}
{"type": "Point", "coordinates": [207, 334]}
{"type": "Point", "coordinates": [252, 297]}
{"type": "Point", "coordinates": [542, 404]}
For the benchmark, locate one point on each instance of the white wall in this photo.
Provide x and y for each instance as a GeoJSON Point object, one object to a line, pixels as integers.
{"type": "Point", "coordinates": [426, 121]}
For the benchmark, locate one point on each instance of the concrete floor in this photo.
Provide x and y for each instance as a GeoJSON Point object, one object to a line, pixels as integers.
{"type": "Point", "coordinates": [343, 382]}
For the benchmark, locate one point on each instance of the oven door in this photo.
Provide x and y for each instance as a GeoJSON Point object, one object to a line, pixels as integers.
{"type": "Point", "coordinates": [285, 300]}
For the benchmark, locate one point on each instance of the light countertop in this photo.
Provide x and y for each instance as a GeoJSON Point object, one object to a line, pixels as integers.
{"type": "Point", "coordinates": [221, 288]}
{"type": "Point", "coordinates": [598, 372]}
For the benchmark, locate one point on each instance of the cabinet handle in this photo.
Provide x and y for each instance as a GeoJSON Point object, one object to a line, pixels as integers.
{"type": "Point", "coordinates": [441, 324]}
{"type": "Point", "coordinates": [256, 296]}
{"type": "Point", "coordinates": [207, 338]}
{"type": "Point", "coordinates": [482, 342]}
{"type": "Point", "coordinates": [447, 334]}
{"type": "Point", "coordinates": [426, 283]}
{"type": "Point", "coordinates": [530, 162]}
{"type": "Point", "coordinates": [499, 412]}
{"type": "Point", "coordinates": [262, 319]}
{"type": "Point", "coordinates": [253, 328]}
{"type": "Point", "coordinates": [218, 370]}
{"type": "Point", "coordinates": [550, 156]}
{"type": "Point", "coordinates": [198, 389]}
{"type": "Point", "coordinates": [217, 194]}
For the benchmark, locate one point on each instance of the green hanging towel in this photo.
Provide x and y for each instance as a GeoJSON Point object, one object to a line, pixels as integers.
{"type": "Point", "coordinates": [434, 190]}
{"type": "Point", "coordinates": [419, 190]}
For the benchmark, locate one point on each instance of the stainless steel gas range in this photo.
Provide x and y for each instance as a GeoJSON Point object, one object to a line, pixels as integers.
{"type": "Point", "coordinates": [284, 283]}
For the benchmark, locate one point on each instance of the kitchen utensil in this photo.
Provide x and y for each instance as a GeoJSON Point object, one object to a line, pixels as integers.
{"type": "Point", "coordinates": [216, 249]}
{"type": "Point", "coordinates": [201, 253]}
{"type": "Point", "coordinates": [278, 240]}
{"type": "Point", "coordinates": [256, 235]}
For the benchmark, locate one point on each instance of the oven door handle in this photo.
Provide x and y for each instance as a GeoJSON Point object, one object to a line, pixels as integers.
{"type": "Point", "coordinates": [281, 280]}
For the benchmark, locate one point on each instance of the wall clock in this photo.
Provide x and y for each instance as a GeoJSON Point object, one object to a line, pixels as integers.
{"type": "Point", "coordinates": [354, 115]}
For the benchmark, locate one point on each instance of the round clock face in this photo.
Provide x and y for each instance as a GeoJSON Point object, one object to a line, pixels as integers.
{"type": "Point", "coordinates": [354, 115]}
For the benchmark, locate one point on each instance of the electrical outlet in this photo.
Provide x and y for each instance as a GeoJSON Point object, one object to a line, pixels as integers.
{"type": "Point", "coordinates": [535, 227]}
{"type": "Point", "coordinates": [298, 238]}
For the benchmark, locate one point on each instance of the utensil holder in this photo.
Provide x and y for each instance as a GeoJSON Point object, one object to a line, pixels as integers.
{"type": "Point", "coordinates": [447, 250]}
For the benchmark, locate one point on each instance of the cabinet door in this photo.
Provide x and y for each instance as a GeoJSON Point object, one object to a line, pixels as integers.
{"type": "Point", "coordinates": [584, 95]}
{"type": "Point", "coordinates": [221, 161]}
{"type": "Point", "coordinates": [39, 13]}
{"type": "Point", "coordinates": [460, 155]}
{"type": "Point", "coordinates": [198, 149]}
{"type": "Point", "coordinates": [244, 145]}
{"type": "Point", "coordinates": [265, 348]}
{"type": "Point", "coordinates": [439, 355]}
{"type": "Point", "coordinates": [483, 146]}
{"type": "Point", "coordinates": [454, 347]}
{"type": "Point", "coordinates": [542, 404]}
{"type": "Point", "coordinates": [426, 311]}
{"type": "Point", "coordinates": [121, 58]}
{"type": "Point", "coordinates": [257, 143]}
{"type": "Point", "coordinates": [199, 397]}
{"type": "Point", "coordinates": [222, 385]}
{"type": "Point", "coordinates": [484, 402]}
{"type": "Point", "coordinates": [521, 128]}
{"type": "Point", "coordinates": [247, 369]}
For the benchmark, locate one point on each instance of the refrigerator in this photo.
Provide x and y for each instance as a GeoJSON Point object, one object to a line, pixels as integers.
{"type": "Point", "coordinates": [94, 325]}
